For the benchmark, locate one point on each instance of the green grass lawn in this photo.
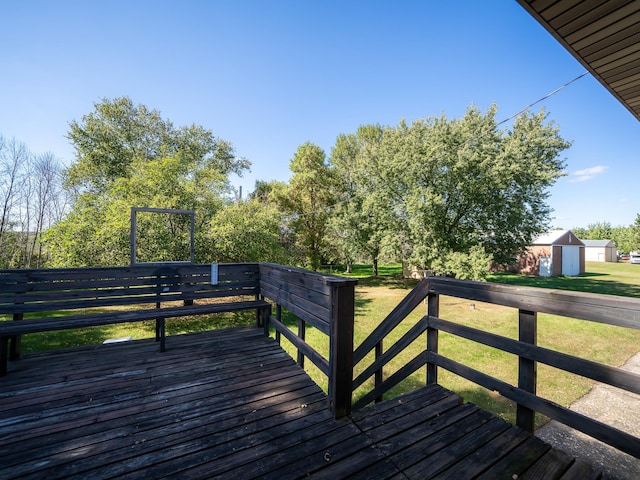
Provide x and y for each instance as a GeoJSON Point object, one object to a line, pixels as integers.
{"type": "Point", "coordinates": [377, 296]}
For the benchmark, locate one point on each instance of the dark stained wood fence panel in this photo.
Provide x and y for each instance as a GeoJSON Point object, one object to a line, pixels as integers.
{"type": "Point", "coordinates": [314, 315]}
{"type": "Point", "coordinates": [609, 309]}
{"type": "Point", "coordinates": [156, 291]}
{"type": "Point", "coordinates": [325, 302]}
{"type": "Point", "coordinates": [412, 334]}
{"type": "Point", "coordinates": [314, 282]}
{"type": "Point", "coordinates": [305, 294]}
{"type": "Point", "coordinates": [402, 373]}
{"type": "Point", "coordinates": [39, 290]}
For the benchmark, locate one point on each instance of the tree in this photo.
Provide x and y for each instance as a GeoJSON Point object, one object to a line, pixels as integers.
{"type": "Point", "coordinates": [250, 231]}
{"type": "Point", "coordinates": [129, 156]}
{"type": "Point", "coordinates": [462, 184]}
{"type": "Point", "coordinates": [30, 200]}
{"type": "Point", "coordinates": [267, 192]}
{"type": "Point", "coordinates": [598, 231]}
{"type": "Point", "coordinates": [625, 238]}
{"type": "Point", "coordinates": [13, 156]}
{"type": "Point", "coordinates": [306, 199]}
{"type": "Point", "coordinates": [44, 204]}
{"type": "Point", "coordinates": [109, 140]}
{"type": "Point", "coordinates": [634, 236]}
{"type": "Point", "coordinates": [361, 220]}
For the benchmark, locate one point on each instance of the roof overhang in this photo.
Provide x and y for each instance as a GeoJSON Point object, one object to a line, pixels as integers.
{"type": "Point", "coordinates": [603, 35]}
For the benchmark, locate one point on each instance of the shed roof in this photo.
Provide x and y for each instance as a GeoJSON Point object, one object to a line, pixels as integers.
{"type": "Point", "coordinates": [603, 35]}
{"type": "Point", "coordinates": [599, 243]}
{"type": "Point", "coordinates": [555, 236]}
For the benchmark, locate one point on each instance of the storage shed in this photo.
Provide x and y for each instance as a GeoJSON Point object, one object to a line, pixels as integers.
{"type": "Point", "coordinates": [554, 253]}
{"type": "Point", "coordinates": [600, 251]}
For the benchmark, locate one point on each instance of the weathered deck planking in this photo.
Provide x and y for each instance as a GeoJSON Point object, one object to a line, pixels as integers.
{"type": "Point", "coordinates": [233, 404]}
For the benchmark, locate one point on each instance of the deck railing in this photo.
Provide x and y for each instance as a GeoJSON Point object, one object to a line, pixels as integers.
{"type": "Point", "coordinates": [325, 302]}
{"type": "Point", "coordinates": [608, 309]}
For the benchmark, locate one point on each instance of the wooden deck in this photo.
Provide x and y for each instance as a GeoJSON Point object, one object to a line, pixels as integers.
{"type": "Point", "coordinates": [232, 404]}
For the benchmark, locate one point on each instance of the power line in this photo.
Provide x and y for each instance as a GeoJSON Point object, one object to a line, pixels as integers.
{"type": "Point", "coordinates": [550, 94]}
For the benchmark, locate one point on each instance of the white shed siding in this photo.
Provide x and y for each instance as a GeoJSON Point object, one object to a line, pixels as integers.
{"type": "Point", "coordinates": [600, 251]}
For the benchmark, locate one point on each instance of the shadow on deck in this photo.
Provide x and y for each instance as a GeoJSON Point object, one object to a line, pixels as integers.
{"type": "Point", "coordinates": [232, 404]}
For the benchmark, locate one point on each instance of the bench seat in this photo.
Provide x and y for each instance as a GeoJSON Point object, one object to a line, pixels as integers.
{"type": "Point", "coordinates": [13, 328]}
{"type": "Point", "coordinates": [34, 298]}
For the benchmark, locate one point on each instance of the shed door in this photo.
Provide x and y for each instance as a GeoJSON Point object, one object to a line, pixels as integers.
{"type": "Point", "coordinates": [545, 266]}
{"type": "Point", "coordinates": [571, 261]}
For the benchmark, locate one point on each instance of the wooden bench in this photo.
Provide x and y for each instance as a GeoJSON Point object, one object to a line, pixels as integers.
{"type": "Point", "coordinates": [41, 300]}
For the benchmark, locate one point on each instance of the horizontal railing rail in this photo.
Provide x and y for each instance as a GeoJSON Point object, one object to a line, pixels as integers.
{"type": "Point", "coordinates": [529, 301]}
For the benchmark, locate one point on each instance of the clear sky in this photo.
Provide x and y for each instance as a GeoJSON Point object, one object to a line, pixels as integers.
{"type": "Point", "coordinates": [270, 75]}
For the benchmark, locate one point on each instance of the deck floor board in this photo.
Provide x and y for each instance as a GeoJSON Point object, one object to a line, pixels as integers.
{"type": "Point", "coordinates": [232, 404]}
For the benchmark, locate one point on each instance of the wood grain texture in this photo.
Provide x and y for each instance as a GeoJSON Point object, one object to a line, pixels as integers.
{"type": "Point", "coordinates": [232, 404]}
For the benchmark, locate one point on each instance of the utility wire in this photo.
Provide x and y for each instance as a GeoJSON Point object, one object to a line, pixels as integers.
{"type": "Point", "coordinates": [542, 99]}
{"type": "Point", "coordinates": [475, 137]}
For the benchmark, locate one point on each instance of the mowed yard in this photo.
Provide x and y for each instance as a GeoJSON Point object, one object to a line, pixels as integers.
{"type": "Point", "coordinates": [376, 297]}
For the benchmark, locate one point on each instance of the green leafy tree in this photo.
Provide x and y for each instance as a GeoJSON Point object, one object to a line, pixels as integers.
{"type": "Point", "coordinates": [306, 200]}
{"type": "Point", "coordinates": [625, 238]}
{"type": "Point", "coordinates": [118, 133]}
{"type": "Point", "coordinates": [580, 232]}
{"type": "Point", "coordinates": [361, 221]}
{"type": "Point", "coordinates": [135, 172]}
{"type": "Point", "coordinates": [472, 265]}
{"type": "Point", "coordinates": [250, 231]}
{"type": "Point", "coordinates": [462, 183]}
{"type": "Point", "coordinates": [598, 231]}
{"type": "Point", "coordinates": [267, 192]}
{"type": "Point", "coordinates": [633, 236]}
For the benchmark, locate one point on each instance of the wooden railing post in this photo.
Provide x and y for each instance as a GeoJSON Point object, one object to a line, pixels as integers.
{"type": "Point", "coordinates": [278, 318]}
{"type": "Point", "coordinates": [265, 319]}
{"type": "Point", "coordinates": [259, 319]}
{"type": "Point", "coordinates": [302, 330]}
{"type": "Point", "coordinates": [16, 340]}
{"type": "Point", "coordinates": [341, 347]}
{"type": "Point", "coordinates": [378, 377]}
{"type": "Point", "coordinates": [433, 310]}
{"type": "Point", "coordinates": [527, 369]}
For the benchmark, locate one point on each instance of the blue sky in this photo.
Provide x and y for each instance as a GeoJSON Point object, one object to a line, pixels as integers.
{"type": "Point", "coordinates": [270, 75]}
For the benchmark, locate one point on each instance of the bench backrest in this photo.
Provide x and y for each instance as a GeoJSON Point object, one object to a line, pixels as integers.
{"type": "Point", "coordinates": [45, 290]}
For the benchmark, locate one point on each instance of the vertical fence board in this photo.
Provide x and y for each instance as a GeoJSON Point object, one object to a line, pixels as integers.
{"type": "Point", "coordinates": [527, 369]}
{"type": "Point", "coordinates": [341, 348]}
